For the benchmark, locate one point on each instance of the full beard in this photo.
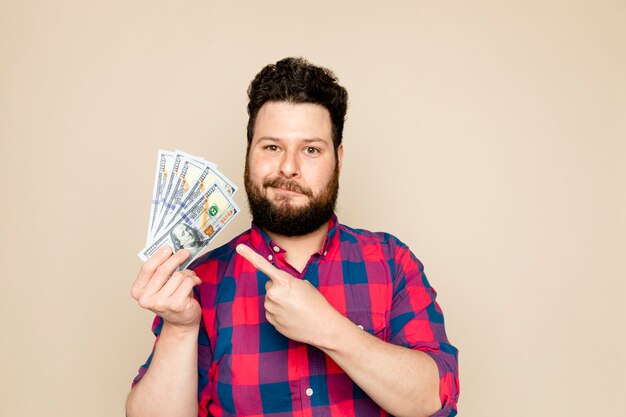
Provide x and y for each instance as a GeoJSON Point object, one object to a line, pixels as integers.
{"type": "Point", "coordinates": [284, 218]}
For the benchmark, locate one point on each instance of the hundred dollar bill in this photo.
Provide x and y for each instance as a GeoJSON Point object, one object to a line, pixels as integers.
{"type": "Point", "coordinates": [197, 226]}
{"type": "Point", "coordinates": [195, 158]}
{"type": "Point", "coordinates": [208, 176]}
{"type": "Point", "coordinates": [178, 159]}
{"type": "Point", "coordinates": [188, 173]}
{"type": "Point", "coordinates": [165, 163]}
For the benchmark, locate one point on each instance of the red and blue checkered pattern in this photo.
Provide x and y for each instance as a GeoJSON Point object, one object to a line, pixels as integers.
{"type": "Point", "coordinates": [246, 367]}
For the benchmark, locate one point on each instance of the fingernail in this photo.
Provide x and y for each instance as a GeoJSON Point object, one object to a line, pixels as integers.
{"type": "Point", "coordinates": [165, 249]}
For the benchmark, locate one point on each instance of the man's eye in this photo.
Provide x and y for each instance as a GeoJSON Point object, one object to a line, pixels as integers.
{"type": "Point", "coordinates": [272, 148]}
{"type": "Point", "coordinates": [311, 150]}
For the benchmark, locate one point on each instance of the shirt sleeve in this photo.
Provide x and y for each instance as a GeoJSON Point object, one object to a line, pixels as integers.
{"type": "Point", "coordinates": [417, 322]}
{"type": "Point", "coordinates": [157, 325]}
{"type": "Point", "coordinates": [205, 362]}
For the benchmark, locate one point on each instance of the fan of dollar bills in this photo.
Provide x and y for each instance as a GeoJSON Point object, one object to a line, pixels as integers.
{"type": "Point", "coordinates": [191, 203]}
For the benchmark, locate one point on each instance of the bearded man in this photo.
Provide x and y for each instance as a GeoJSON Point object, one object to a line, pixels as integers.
{"type": "Point", "coordinates": [299, 315]}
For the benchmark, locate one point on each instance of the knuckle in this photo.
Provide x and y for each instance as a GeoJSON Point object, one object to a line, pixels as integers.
{"type": "Point", "coordinates": [184, 283]}
{"type": "Point", "coordinates": [160, 305]}
{"type": "Point", "coordinates": [143, 302]}
{"type": "Point", "coordinates": [146, 268]}
{"type": "Point", "coordinates": [162, 268]}
{"type": "Point", "coordinates": [270, 318]}
{"type": "Point", "coordinates": [135, 293]}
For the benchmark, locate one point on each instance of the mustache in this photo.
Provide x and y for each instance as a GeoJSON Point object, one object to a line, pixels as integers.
{"type": "Point", "coordinates": [287, 185]}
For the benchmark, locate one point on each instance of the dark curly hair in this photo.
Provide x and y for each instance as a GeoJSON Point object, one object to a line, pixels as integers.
{"type": "Point", "coordinates": [296, 80]}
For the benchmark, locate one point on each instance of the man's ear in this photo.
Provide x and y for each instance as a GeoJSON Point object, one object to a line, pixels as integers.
{"type": "Point", "coordinates": [339, 157]}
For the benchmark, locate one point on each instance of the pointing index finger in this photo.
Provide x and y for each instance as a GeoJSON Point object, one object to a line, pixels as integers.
{"type": "Point", "coordinates": [260, 263]}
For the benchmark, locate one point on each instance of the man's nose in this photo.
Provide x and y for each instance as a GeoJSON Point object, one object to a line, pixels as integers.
{"type": "Point", "coordinates": [290, 165]}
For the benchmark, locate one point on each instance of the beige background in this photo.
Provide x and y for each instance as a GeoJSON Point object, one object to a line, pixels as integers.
{"type": "Point", "coordinates": [487, 135]}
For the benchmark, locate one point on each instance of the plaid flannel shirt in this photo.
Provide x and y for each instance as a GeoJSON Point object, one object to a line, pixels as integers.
{"type": "Point", "coordinates": [247, 368]}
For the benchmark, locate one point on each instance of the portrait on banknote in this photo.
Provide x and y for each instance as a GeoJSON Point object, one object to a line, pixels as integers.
{"type": "Point", "coordinates": [184, 236]}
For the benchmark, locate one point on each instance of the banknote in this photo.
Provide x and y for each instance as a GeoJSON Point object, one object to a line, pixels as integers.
{"type": "Point", "coordinates": [195, 157]}
{"type": "Point", "coordinates": [206, 177]}
{"type": "Point", "coordinates": [188, 173]}
{"type": "Point", "coordinates": [178, 159]}
{"type": "Point", "coordinates": [197, 225]}
{"type": "Point", "coordinates": [165, 187]}
{"type": "Point", "coordinates": [165, 164]}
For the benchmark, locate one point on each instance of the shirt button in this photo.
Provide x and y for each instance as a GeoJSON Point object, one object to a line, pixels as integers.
{"type": "Point", "coordinates": [325, 252]}
{"type": "Point", "coordinates": [309, 392]}
{"type": "Point", "coordinates": [276, 249]}
{"type": "Point", "coordinates": [359, 326]}
{"type": "Point", "coordinates": [270, 257]}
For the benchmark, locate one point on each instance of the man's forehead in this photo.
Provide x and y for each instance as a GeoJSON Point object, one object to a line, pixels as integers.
{"type": "Point", "coordinates": [281, 120]}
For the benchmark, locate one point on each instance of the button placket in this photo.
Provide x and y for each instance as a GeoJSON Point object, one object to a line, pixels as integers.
{"type": "Point", "coordinates": [316, 361]}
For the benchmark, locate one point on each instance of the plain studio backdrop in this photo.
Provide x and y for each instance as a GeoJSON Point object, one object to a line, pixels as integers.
{"type": "Point", "coordinates": [488, 136]}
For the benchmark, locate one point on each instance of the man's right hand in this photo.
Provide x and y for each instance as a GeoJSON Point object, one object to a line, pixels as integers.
{"type": "Point", "coordinates": [162, 289]}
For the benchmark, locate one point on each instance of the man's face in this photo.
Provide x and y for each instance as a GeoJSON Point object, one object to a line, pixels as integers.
{"type": "Point", "coordinates": [292, 174]}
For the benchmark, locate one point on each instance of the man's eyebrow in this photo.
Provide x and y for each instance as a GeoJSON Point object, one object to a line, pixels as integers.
{"type": "Point", "coordinates": [269, 138]}
{"type": "Point", "coordinates": [307, 140]}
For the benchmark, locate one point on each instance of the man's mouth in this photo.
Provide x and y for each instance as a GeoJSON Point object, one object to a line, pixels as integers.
{"type": "Point", "coordinates": [286, 187]}
{"type": "Point", "coordinates": [286, 190]}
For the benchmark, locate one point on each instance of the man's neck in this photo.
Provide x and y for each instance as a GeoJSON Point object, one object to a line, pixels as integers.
{"type": "Point", "coordinates": [300, 248]}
